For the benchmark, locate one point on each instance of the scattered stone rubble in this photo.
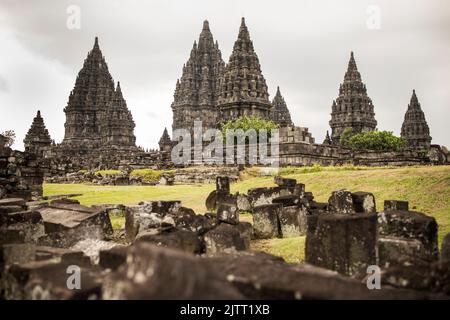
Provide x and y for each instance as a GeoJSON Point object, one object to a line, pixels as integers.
{"type": "Point", "coordinates": [170, 252]}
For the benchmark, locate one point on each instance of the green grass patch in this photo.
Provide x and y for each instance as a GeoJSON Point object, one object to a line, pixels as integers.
{"type": "Point", "coordinates": [107, 172]}
{"type": "Point", "coordinates": [291, 249]}
{"type": "Point", "coordinates": [149, 175]}
{"type": "Point", "coordinates": [117, 220]}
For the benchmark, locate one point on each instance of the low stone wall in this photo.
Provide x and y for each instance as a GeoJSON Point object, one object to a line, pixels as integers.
{"type": "Point", "coordinates": [61, 160]}
{"type": "Point", "coordinates": [20, 174]}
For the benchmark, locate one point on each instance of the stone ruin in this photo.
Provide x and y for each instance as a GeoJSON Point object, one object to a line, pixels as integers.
{"type": "Point", "coordinates": [167, 251]}
{"type": "Point", "coordinates": [99, 127]}
{"type": "Point", "coordinates": [20, 173]}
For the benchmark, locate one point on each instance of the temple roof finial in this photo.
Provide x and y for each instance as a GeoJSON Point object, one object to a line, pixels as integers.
{"type": "Point", "coordinates": [206, 25]}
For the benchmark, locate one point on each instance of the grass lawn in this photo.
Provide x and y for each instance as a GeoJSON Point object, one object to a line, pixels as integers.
{"type": "Point", "coordinates": [426, 188]}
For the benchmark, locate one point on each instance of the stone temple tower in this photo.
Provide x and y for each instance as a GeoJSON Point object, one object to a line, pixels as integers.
{"type": "Point", "coordinates": [280, 112]}
{"type": "Point", "coordinates": [38, 139]}
{"type": "Point", "coordinates": [352, 108]}
{"type": "Point", "coordinates": [96, 113]}
{"type": "Point", "coordinates": [243, 89]}
{"type": "Point", "coordinates": [415, 129]}
{"type": "Point", "coordinates": [197, 90]}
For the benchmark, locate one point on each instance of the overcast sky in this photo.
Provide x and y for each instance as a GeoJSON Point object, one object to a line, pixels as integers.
{"type": "Point", "coordinates": [303, 46]}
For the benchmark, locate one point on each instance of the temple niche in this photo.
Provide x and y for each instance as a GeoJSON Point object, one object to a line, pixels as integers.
{"type": "Point", "coordinates": [352, 108]}
{"type": "Point", "coordinates": [415, 129]}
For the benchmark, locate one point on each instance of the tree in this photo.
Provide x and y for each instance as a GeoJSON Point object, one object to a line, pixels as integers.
{"type": "Point", "coordinates": [345, 137]}
{"type": "Point", "coordinates": [373, 140]}
{"type": "Point", "coordinates": [10, 136]}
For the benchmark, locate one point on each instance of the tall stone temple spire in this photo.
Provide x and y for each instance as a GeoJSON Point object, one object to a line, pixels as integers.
{"type": "Point", "coordinates": [96, 113]}
{"type": "Point", "coordinates": [415, 129]}
{"type": "Point", "coordinates": [197, 90]}
{"type": "Point", "coordinates": [280, 112]}
{"type": "Point", "coordinates": [243, 89]}
{"type": "Point", "coordinates": [352, 108]}
{"type": "Point", "coordinates": [37, 140]}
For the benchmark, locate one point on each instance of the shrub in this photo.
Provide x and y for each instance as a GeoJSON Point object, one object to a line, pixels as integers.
{"type": "Point", "coordinates": [149, 175]}
{"type": "Point", "coordinates": [10, 136]}
{"type": "Point", "coordinates": [247, 123]}
{"type": "Point", "coordinates": [373, 140]}
{"type": "Point", "coordinates": [106, 172]}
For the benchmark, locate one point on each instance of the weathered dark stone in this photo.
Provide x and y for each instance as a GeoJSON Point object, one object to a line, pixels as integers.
{"type": "Point", "coordinates": [186, 219]}
{"type": "Point", "coordinates": [410, 225]}
{"type": "Point", "coordinates": [364, 202]}
{"type": "Point", "coordinates": [262, 196]}
{"type": "Point", "coordinates": [64, 201]}
{"type": "Point", "coordinates": [390, 249]}
{"type": "Point", "coordinates": [424, 276]}
{"type": "Point", "coordinates": [113, 258]}
{"type": "Point", "coordinates": [75, 218]}
{"type": "Point", "coordinates": [13, 202]}
{"type": "Point", "coordinates": [286, 201]}
{"type": "Point", "coordinates": [243, 202]}
{"type": "Point", "coordinates": [21, 227]}
{"type": "Point", "coordinates": [395, 205]}
{"type": "Point", "coordinates": [445, 248]}
{"type": "Point", "coordinates": [285, 182]}
{"type": "Point", "coordinates": [161, 207]}
{"type": "Point", "coordinates": [344, 243]}
{"type": "Point", "coordinates": [246, 231]}
{"type": "Point", "coordinates": [228, 214]}
{"type": "Point", "coordinates": [153, 272]}
{"type": "Point", "coordinates": [10, 209]}
{"type": "Point", "coordinates": [184, 240]}
{"type": "Point", "coordinates": [259, 275]}
{"type": "Point", "coordinates": [47, 280]}
{"type": "Point", "coordinates": [215, 198]}
{"type": "Point", "coordinates": [223, 184]}
{"type": "Point", "coordinates": [292, 221]}
{"type": "Point", "coordinates": [341, 202]}
{"type": "Point", "coordinates": [265, 221]}
{"type": "Point", "coordinates": [224, 237]}
{"type": "Point", "coordinates": [141, 218]}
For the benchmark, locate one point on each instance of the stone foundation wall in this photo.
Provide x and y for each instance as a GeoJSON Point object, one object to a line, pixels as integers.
{"type": "Point", "coordinates": [60, 161]}
{"type": "Point", "coordinates": [20, 174]}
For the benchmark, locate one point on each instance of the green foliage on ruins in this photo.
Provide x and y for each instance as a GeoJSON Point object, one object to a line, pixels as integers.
{"type": "Point", "coordinates": [107, 172]}
{"type": "Point", "coordinates": [372, 140]}
{"type": "Point", "coordinates": [427, 188]}
{"type": "Point", "coordinates": [149, 175]}
{"type": "Point", "coordinates": [248, 123]}
{"type": "Point", "coordinates": [10, 136]}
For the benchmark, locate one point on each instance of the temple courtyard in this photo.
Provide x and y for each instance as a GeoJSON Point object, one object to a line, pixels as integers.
{"type": "Point", "coordinates": [427, 188]}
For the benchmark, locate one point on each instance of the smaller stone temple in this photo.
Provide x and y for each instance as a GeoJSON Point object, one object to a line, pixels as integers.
{"type": "Point", "coordinates": [352, 108]}
{"type": "Point", "coordinates": [38, 139]}
{"type": "Point", "coordinates": [280, 113]}
{"type": "Point", "coordinates": [415, 129]}
{"type": "Point", "coordinates": [165, 143]}
{"type": "Point", "coordinates": [243, 89]}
